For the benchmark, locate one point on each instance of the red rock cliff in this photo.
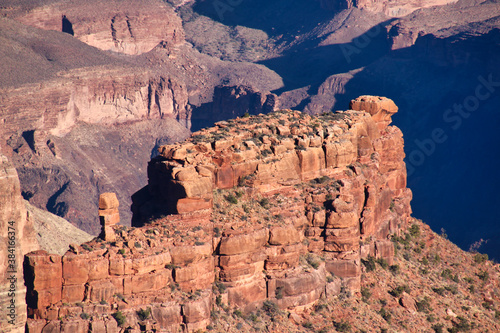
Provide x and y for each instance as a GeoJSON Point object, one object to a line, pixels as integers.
{"type": "Point", "coordinates": [124, 26]}
{"type": "Point", "coordinates": [17, 237]}
{"type": "Point", "coordinates": [281, 207]}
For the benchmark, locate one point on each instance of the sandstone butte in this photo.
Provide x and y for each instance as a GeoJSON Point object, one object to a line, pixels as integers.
{"type": "Point", "coordinates": [279, 207]}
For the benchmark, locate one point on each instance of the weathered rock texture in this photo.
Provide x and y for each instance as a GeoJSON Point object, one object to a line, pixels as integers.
{"type": "Point", "coordinates": [389, 8]}
{"type": "Point", "coordinates": [124, 26]}
{"type": "Point", "coordinates": [17, 237]}
{"type": "Point", "coordinates": [108, 215]}
{"type": "Point", "coordinates": [280, 207]}
{"type": "Point", "coordinates": [102, 96]}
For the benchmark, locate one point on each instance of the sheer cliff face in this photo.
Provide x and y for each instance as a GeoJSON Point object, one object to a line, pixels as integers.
{"type": "Point", "coordinates": [280, 207]}
{"type": "Point", "coordinates": [17, 237]}
{"type": "Point", "coordinates": [128, 27]}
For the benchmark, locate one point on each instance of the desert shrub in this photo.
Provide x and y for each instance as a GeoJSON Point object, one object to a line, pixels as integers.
{"type": "Point", "coordinates": [438, 328]}
{"type": "Point", "coordinates": [369, 263]}
{"type": "Point", "coordinates": [308, 325]}
{"type": "Point", "coordinates": [415, 230]}
{"type": "Point", "coordinates": [461, 325]}
{"type": "Point", "coordinates": [270, 308]}
{"type": "Point", "coordinates": [483, 275]}
{"type": "Point", "coordinates": [120, 318]}
{"type": "Point", "coordinates": [386, 315]}
{"type": "Point", "coordinates": [231, 199]}
{"type": "Point", "coordinates": [266, 152]}
{"type": "Point", "coordinates": [423, 305]}
{"type": "Point", "coordinates": [480, 258]}
{"type": "Point", "coordinates": [221, 288]}
{"type": "Point", "coordinates": [238, 313]}
{"type": "Point", "coordinates": [311, 260]}
{"type": "Point", "coordinates": [144, 314]}
{"type": "Point", "coordinates": [264, 203]}
{"type": "Point", "coordinates": [84, 316]}
{"type": "Point", "coordinates": [383, 263]}
{"type": "Point", "coordinates": [397, 291]}
{"type": "Point", "coordinates": [342, 326]}
{"type": "Point", "coordinates": [365, 294]}
{"type": "Point", "coordinates": [439, 290]}
{"type": "Point", "coordinates": [447, 274]}
{"type": "Point", "coordinates": [436, 259]}
{"type": "Point", "coordinates": [394, 269]}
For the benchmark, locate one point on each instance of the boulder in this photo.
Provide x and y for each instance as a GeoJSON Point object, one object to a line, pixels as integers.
{"type": "Point", "coordinates": [249, 242]}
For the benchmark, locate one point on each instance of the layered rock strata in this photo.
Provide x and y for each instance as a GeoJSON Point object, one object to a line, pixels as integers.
{"type": "Point", "coordinates": [114, 96]}
{"type": "Point", "coordinates": [278, 208]}
{"type": "Point", "coordinates": [17, 237]}
{"type": "Point", "coordinates": [389, 8]}
{"type": "Point", "coordinates": [108, 215]}
{"type": "Point", "coordinates": [125, 26]}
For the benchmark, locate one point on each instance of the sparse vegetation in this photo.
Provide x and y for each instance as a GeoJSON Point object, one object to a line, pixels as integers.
{"type": "Point", "coordinates": [144, 314]}
{"type": "Point", "coordinates": [264, 203]}
{"type": "Point", "coordinates": [365, 294]}
{"type": "Point", "coordinates": [369, 263]}
{"type": "Point", "coordinates": [231, 199]}
{"type": "Point", "coordinates": [397, 291]}
{"type": "Point", "coordinates": [480, 258]}
{"type": "Point", "coordinates": [120, 318]}
{"type": "Point", "coordinates": [342, 326]}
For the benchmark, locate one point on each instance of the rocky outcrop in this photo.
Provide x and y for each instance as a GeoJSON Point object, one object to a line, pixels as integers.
{"type": "Point", "coordinates": [278, 208]}
{"type": "Point", "coordinates": [17, 237]}
{"type": "Point", "coordinates": [389, 8]}
{"type": "Point", "coordinates": [461, 21]}
{"type": "Point", "coordinates": [108, 215]}
{"type": "Point", "coordinates": [120, 26]}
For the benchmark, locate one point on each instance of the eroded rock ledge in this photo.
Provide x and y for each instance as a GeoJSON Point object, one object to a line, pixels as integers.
{"type": "Point", "coordinates": [280, 207]}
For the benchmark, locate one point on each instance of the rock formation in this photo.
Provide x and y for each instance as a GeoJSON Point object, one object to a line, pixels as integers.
{"type": "Point", "coordinates": [121, 26]}
{"type": "Point", "coordinates": [389, 8]}
{"type": "Point", "coordinates": [108, 215]}
{"type": "Point", "coordinates": [17, 237]}
{"type": "Point", "coordinates": [279, 207]}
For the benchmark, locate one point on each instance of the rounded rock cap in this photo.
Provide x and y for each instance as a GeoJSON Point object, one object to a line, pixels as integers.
{"type": "Point", "coordinates": [108, 201]}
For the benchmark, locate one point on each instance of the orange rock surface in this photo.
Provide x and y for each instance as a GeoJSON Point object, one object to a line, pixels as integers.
{"type": "Point", "coordinates": [278, 208]}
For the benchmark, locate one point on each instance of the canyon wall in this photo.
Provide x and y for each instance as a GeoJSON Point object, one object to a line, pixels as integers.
{"type": "Point", "coordinates": [279, 208]}
{"type": "Point", "coordinates": [100, 96]}
{"type": "Point", "coordinates": [389, 8]}
{"type": "Point", "coordinates": [17, 237]}
{"type": "Point", "coordinates": [128, 27]}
